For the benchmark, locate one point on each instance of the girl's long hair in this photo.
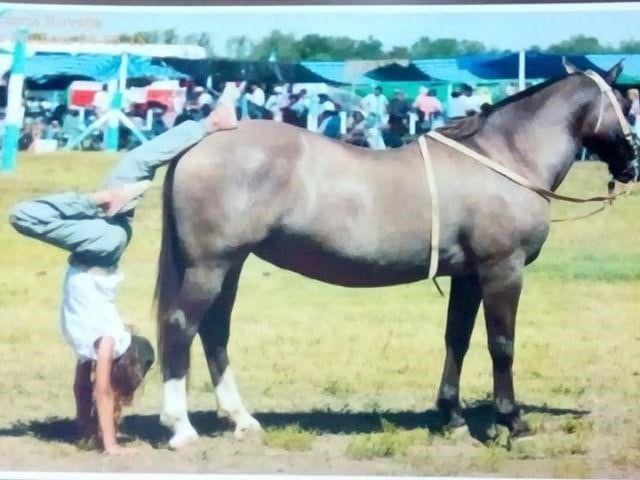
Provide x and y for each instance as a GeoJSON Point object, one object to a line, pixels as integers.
{"type": "Point", "coordinates": [126, 377]}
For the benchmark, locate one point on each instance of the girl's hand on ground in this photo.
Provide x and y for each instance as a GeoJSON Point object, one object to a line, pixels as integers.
{"type": "Point", "coordinates": [120, 451]}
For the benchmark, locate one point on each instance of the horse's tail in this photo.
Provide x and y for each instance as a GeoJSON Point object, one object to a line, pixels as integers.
{"type": "Point", "coordinates": [171, 259]}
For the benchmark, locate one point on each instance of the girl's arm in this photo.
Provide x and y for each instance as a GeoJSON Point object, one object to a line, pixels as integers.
{"type": "Point", "coordinates": [103, 392]}
{"type": "Point", "coordinates": [105, 398]}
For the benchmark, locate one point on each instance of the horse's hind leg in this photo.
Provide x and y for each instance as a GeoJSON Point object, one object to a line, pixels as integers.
{"type": "Point", "coordinates": [501, 286]}
{"type": "Point", "coordinates": [464, 302]}
{"type": "Point", "coordinates": [214, 333]}
{"type": "Point", "coordinates": [200, 287]}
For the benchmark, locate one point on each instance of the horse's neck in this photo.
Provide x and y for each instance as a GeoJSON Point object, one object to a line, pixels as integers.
{"type": "Point", "coordinates": [538, 133]}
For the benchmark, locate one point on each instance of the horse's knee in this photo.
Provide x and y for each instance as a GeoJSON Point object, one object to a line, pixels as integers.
{"type": "Point", "coordinates": [501, 350]}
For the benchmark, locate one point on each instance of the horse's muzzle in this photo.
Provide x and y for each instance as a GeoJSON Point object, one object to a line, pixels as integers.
{"type": "Point", "coordinates": [628, 175]}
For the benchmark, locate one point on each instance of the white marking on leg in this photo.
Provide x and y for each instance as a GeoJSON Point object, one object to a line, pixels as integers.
{"type": "Point", "coordinates": [230, 403]}
{"type": "Point", "coordinates": [174, 413]}
{"type": "Point", "coordinates": [178, 318]}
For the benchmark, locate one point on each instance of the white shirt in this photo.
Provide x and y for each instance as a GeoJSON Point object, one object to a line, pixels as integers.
{"type": "Point", "coordinates": [455, 108]}
{"type": "Point", "coordinates": [205, 99]}
{"type": "Point", "coordinates": [257, 97]}
{"type": "Point", "coordinates": [459, 106]}
{"type": "Point", "coordinates": [89, 312]}
{"type": "Point", "coordinates": [376, 104]}
{"type": "Point", "coordinates": [474, 102]}
{"type": "Point", "coordinates": [374, 138]}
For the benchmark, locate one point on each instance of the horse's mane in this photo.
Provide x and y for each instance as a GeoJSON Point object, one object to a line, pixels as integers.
{"type": "Point", "coordinates": [468, 126]}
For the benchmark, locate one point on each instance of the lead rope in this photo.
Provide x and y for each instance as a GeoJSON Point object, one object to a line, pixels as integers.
{"type": "Point", "coordinates": [435, 213]}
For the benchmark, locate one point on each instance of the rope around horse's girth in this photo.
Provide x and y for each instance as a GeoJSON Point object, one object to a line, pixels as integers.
{"type": "Point", "coordinates": [435, 210]}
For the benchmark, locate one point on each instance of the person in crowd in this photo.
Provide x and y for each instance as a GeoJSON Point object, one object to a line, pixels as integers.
{"type": "Point", "coordinates": [204, 98]}
{"type": "Point", "coordinates": [54, 131]}
{"type": "Point", "coordinates": [302, 103]}
{"type": "Point", "coordinates": [158, 127]}
{"type": "Point", "coordinates": [255, 94]}
{"type": "Point", "coordinates": [485, 95]}
{"type": "Point", "coordinates": [274, 103]}
{"type": "Point", "coordinates": [356, 131]}
{"type": "Point", "coordinates": [426, 103]}
{"type": "Point", "coordinates": [102, 101]}
{"type": "Point", "coordinates": [377, 104]}
{"type": "Point", "coordinates": [633, 95]}
{"type": "Point", "coordinates": [399, 114]}
{"type": "Point", "coordinates": [373, 132]}
{"type": "Point", "coordinates": [72, 124]}
{"type": "Point", "coordinates": [455, 107]}
{"type": "Point", "coordinates": [96, 229]}
{"type": "Point", "coordinates": [329, 121]}
{"type": "Point", "coordinates": [471, 102]}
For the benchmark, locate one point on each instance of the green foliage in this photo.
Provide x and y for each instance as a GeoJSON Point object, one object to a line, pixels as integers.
{"type": "Point", "coordinates": [239, 47]}
{"type": "Point", "coordinates": [630, 46]}
{"type": "Point", "coordinates": [391, 442]}
{"type": "Point", "coordinates": [318, 47]}
{"type": "Point", "coordinates": [202, 39]}
{"type": "Point", "coordinates": [445, 47]}
{"type": "Point", "coordinates": [290, 437]}
{"type": "Point", "coordinates": [579, 44]}
{"type": "Point", "coordinates": [283, 44]}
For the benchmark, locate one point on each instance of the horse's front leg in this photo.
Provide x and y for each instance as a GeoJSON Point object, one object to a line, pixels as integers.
{"type": "Point", "coordinates": [464, 302]}
{"type": "Point", "coordinates": [501, 284]}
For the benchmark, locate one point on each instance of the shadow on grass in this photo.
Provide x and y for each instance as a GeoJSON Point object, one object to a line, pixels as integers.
{"type": "Point", "coordinates": [147, 428]}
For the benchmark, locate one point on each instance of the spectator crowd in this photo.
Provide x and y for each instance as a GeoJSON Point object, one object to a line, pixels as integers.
{"type": "Point", "coordinates": [376, 121]}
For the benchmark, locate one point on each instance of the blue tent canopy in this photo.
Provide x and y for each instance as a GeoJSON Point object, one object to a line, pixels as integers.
{"type": "Point", "coordinates": [395, 72]}
{"type": "Point", "coordinates": [538, 65]}
{"type": "Point", "coordinates": [102, 68]}
{"type": "Point", "coordinates": [446, 70]}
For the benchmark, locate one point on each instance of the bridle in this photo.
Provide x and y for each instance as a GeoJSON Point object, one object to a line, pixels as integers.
{"type": "Point", "coordinates": [605, 92]}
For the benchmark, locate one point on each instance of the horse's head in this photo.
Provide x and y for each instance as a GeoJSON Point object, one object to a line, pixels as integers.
{"type": "Point", "coordinates": [605, 130]}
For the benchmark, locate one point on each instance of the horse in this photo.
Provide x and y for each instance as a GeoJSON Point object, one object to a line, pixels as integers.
{"type": "Point", "coordinates": [358, 218]}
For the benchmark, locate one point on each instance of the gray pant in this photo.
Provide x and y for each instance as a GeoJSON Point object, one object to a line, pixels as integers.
{"type": "Point", "coordinates": [76, 224]}
{"type": "Point", "coordinates": [141, 163]}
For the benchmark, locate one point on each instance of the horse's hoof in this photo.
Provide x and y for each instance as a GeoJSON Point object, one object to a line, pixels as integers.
{"type": "Point", "coordinates": [247, 428]}
{"type": "Point", "coordinates": [456, 420]}
{"type": "Point", "coordinates": [182, 439]}
{"type": "Point", "coordinates": [520, 429]}
{"type": "Point", "coordinates": [452, 416]}
{"type": "Point", "coordinates": [498, 435]}
{"type": "Point", "coordinates": [517, 427]}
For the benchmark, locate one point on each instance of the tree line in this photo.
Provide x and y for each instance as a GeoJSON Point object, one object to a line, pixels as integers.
{"type": "Point", "coordinates": [289, 48]}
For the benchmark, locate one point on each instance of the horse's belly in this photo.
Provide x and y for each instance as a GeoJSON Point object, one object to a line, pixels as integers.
{"type": "Point", "coordinates": [311, 259]}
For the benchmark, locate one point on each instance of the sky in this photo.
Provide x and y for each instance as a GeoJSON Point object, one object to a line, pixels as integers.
{"type": "Point", "coordinates": [503, 27]}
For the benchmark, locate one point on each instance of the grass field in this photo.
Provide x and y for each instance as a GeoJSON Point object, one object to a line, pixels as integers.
{"type": "Point", "coordinates": [344, 381]}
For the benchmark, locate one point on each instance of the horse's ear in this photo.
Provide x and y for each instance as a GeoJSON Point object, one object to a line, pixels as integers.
{"type": "Point", "coordinates": [613, 74]}
{"type": "Point", "coordinates": [568, 66]}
